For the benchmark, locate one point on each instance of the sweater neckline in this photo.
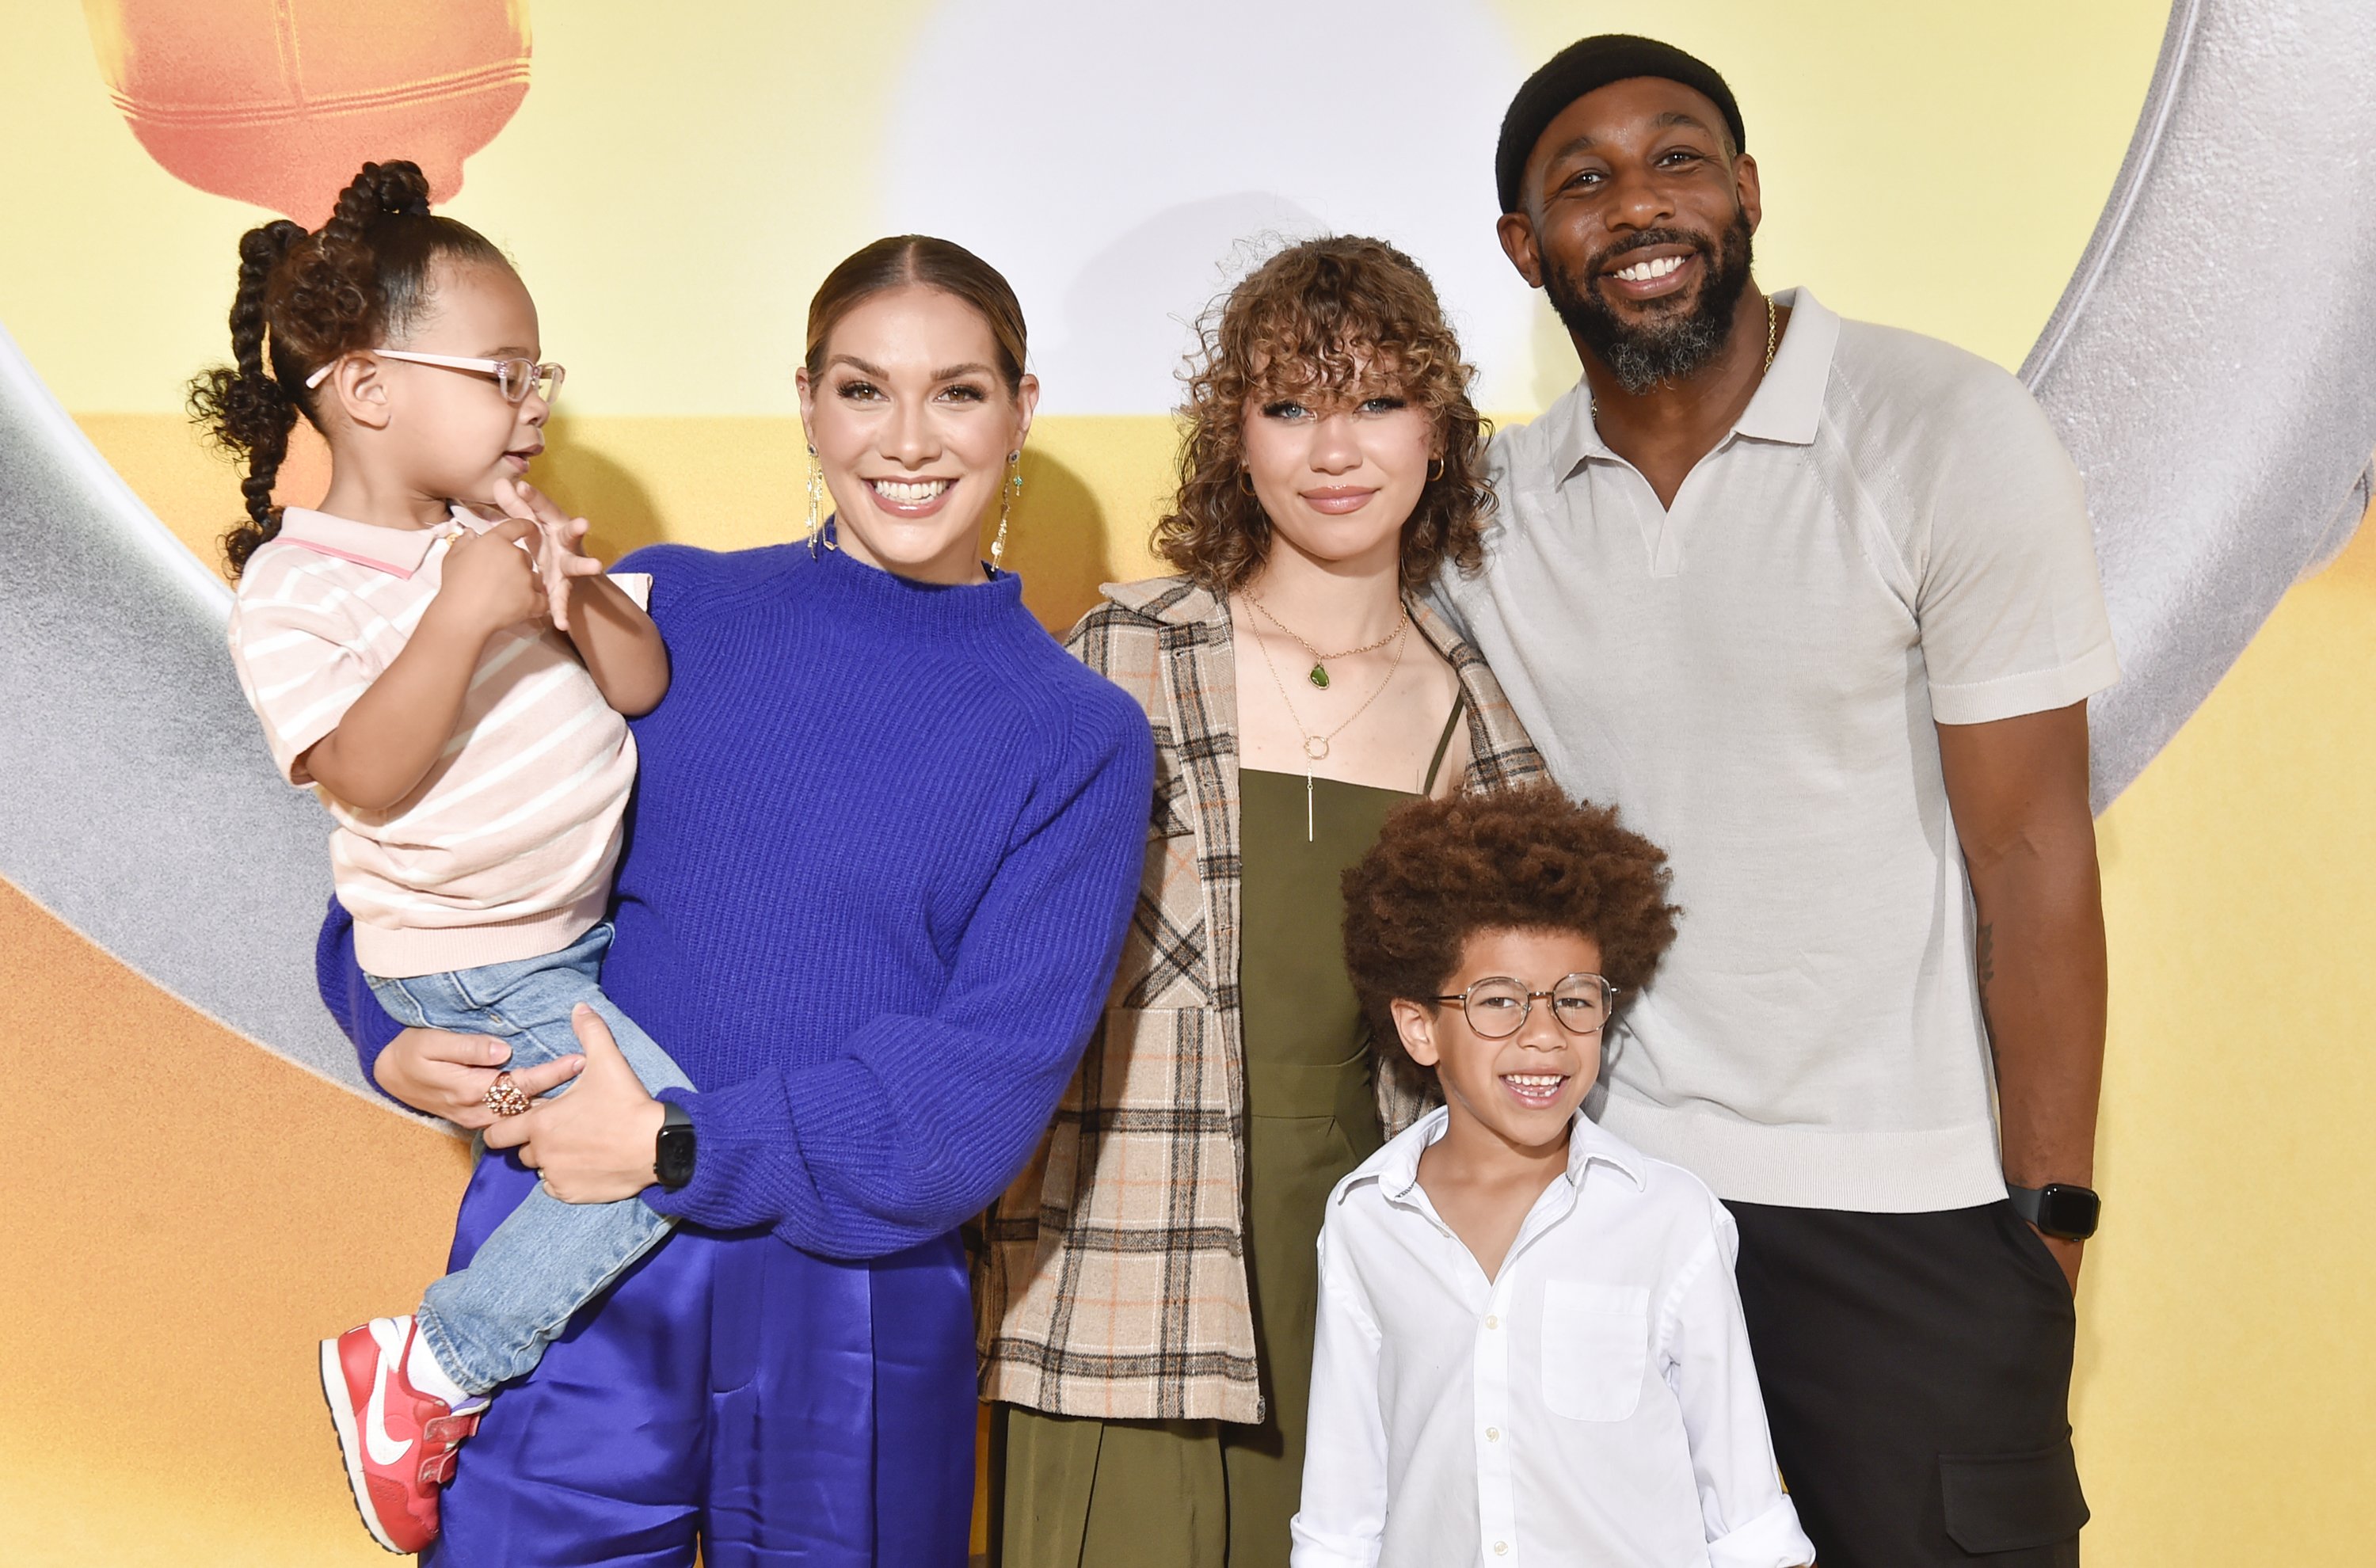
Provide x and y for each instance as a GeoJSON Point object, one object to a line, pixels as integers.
{"type": "Point", "coordinates": [920, 607]}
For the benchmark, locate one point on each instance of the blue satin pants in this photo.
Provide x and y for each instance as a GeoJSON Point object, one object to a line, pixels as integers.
{"type": "Point", "coordinates": [733, 1393]}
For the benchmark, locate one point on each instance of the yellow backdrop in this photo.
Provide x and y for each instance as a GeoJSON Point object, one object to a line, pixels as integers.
{"type": "Point", "coordinates": [187, 1215]}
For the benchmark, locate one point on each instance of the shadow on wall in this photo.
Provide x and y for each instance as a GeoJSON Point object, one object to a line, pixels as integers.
{"type": "Point", "coordinates": [585, 483]}
{"type": "Point", "coordinates": [1056, 541]}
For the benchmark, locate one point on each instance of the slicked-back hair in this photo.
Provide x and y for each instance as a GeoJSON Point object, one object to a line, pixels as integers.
{"type": "Point", "coordinates": [904, 260]}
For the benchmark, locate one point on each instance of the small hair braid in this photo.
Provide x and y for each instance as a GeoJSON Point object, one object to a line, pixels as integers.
{"type": "Point", "coordinates": [396, 189]}
{"type": "Point", "coordinates": [242, 404]}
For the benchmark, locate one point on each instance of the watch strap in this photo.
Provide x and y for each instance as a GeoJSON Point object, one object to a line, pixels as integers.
{"type": "Point", "coordinates": [2027, 1202]}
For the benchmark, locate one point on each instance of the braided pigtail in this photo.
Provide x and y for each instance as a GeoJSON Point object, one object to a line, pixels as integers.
{"type": "Point", "coordinates": [243, 405]}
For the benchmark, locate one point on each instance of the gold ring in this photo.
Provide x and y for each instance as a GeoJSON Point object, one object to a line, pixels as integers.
{"type": "Point", "coordinates": [503, 1097]}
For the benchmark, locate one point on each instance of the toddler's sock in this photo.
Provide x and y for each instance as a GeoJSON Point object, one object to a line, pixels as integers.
{"type": "Point", "coordinates": [425, 1372]}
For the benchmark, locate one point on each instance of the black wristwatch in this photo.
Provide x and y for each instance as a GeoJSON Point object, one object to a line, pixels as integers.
{"type": "Point", "coordinates": [672, 1148]}
{"type": "Point", "coordinates": [2059, 1210]}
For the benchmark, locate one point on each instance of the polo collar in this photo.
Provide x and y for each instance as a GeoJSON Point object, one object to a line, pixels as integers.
{"type": "Point", "coordinates": [1789, 401]}
{"type": "Point", "coordinates": [396, 551]}
{"type": "Point", "coordinates": [1785, 408]}
{"type": "Point", "coordinates": [1575, 440]}
{"type": "Point", "coordinates": [1586, 1145]}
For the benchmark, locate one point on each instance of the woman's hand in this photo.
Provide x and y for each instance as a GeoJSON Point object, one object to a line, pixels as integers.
{"type": "Point", "coordinates": [448, 1074]}
{"type": "Point", "coordinates": [595, 1143]}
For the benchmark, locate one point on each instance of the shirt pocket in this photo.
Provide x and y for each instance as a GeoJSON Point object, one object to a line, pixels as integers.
{"type": "Point", "coordinates": [1596, 1349]}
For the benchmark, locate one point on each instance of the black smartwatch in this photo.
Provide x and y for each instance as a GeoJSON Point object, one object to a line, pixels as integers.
{"type": "Point", "coordinates": [2066, 1212]}
{"type": "Point", "coordinates": [672, 1148]}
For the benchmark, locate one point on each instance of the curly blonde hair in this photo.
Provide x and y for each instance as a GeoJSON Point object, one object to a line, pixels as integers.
{"type": "Point", "coordinates": [1326, 314]}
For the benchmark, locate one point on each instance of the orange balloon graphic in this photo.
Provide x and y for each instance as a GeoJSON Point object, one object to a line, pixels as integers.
{"type": "Point", "coordinates": [279, 101]}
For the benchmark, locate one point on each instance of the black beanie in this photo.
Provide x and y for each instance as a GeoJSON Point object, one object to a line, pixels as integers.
{"type": "Point", "coordinates": [1585, 67]}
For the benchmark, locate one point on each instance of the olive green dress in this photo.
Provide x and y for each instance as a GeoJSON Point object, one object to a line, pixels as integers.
{"type": "Point", "coordinates": [1080, 1493]}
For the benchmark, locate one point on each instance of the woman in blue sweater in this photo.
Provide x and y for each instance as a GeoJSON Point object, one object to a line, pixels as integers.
{"type": "Point", "coordinates": [883, 847]}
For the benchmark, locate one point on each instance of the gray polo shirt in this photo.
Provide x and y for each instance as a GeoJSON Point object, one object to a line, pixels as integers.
{"type": "Point", "coordinates": [1890, 536]}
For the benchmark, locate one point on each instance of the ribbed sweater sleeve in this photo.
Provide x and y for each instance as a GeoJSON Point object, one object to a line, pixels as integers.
{"type": "Point", "coordinates": [923, 1118]}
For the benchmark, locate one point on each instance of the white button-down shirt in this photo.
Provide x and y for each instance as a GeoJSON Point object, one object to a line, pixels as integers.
{"type": "Point", "coordinates": [1592, 1404]}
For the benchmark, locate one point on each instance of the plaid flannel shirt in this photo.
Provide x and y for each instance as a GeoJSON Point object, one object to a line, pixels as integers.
{"type": "Point", "coordinates": [1111, 1279]}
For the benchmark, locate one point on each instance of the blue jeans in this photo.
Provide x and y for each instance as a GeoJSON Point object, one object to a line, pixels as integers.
{"type": "Point", "coordinates": [490, 1323]}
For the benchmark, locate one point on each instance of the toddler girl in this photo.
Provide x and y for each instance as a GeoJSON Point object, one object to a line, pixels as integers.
{"type": "Point", "coordinates": [432, 655]}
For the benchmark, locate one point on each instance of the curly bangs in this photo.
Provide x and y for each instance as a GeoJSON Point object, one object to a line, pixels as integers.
{"type": "Point", "coordinates": [1330, 314]}
{"type": "Point", "coordinates": [1527, 859]}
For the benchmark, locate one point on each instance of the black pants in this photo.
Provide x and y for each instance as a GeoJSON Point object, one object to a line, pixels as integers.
{"type": "Point", "coordinates": [1917, 1370]}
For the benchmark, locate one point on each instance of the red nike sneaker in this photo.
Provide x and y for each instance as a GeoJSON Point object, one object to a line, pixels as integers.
{"type": "Point", "coordinates": [398, 1441]}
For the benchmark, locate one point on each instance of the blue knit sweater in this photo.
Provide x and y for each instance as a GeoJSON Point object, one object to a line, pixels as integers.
{"type": "Point", "coordinates": [884, 844]}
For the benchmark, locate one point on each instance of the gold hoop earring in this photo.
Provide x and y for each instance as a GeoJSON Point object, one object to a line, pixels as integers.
{"type": "Point", "coordinates": [1435, 470]}
{"type": "Point", "coordinates": [1009, 492]}
{"type": "Point", "coordinates": [1246, 481]}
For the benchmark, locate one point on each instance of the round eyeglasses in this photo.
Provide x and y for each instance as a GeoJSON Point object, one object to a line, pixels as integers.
{"type": "Point", "coordinates": [515, 378]}
{"type": "Point", "coordinates": [1497, 1006]}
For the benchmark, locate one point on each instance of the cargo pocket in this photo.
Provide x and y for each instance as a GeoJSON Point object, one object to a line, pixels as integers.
{"type": "Point", "coordinates": [1596, 1348]}
{"type": "Point", "coordinates": [2008, 1501]}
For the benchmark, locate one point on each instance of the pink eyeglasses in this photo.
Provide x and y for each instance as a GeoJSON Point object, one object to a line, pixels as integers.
{"type": "Point", "coordinates": [515, 378]}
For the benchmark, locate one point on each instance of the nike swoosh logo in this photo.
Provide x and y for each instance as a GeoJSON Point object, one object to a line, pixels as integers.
{"type": "Point", "coordinates": [382, 1448]}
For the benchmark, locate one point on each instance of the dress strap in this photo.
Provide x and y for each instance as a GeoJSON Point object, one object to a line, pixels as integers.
{"type": "Point", "coordinates": [1443, 742]}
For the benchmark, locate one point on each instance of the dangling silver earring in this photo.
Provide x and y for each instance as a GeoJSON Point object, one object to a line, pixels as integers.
{"type": "Point", "coordinates": [818, 532]}
{"type": "Point", "coordinates": [1009, 494]}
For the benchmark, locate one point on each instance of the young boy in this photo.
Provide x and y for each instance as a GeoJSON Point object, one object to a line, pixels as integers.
{"type": "Point", "coordinates": [1529, 1345]}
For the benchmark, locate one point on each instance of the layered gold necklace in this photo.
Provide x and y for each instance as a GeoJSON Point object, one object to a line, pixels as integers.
{"type": "Point", "coordinates": [1316, 745]}
{"type": "Point", "coordinates": [1318, 674]}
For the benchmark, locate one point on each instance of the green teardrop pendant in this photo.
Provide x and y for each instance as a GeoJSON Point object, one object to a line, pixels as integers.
{"type": "Point", "coordinates": [1320, 676]}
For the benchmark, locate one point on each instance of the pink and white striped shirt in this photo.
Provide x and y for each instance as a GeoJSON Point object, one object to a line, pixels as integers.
{"type": "Point", "coordinates": [504, 849]}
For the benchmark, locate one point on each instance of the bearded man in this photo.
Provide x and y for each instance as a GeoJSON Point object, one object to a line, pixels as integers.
{"type": "Point", "coordinates": [1815, 603]}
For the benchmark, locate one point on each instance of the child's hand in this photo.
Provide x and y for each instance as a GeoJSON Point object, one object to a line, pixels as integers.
{"type": "Point", "coordinates": [489, 581]}
{"type": "Point", "coordinates": [558, 557]}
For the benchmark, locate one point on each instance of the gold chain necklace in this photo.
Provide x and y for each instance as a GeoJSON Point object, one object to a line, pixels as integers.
{"type": "Point", "coordinates": [1773, 335]}
{"type": "Point", "coordinates": [1315, 747]}
{"type": "Point", "coordinates": [1318, 675]}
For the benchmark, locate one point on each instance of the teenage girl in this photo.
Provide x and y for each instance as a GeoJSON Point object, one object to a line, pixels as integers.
{"type": "Point", "coordinates": [1151, 1283]}
{"type": "Point", "coordinates": [430, 652]}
